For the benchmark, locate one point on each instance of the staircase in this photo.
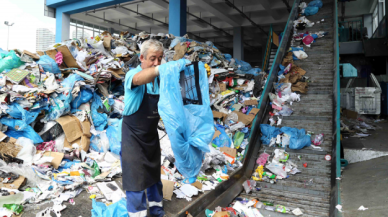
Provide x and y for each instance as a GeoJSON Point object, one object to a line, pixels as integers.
{"type": "Point", "coordinates": [272, 57]}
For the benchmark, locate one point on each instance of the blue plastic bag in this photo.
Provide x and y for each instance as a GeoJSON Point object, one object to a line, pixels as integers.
{"type": "Point", "coordinates": [16, 111]}
{"type": "Point", "coordinates": [83, 96]}
{"type": "Point", "coordinates": [100, 120]}
{"type": "Point", "coordinates": [298, 137]}
{"type": "Point", "coordinates": [70, 81]}
{"type": "Point", "coordinates": [48, 64]}
{"type": "Point", "coordinates": [118, 209]}
{"type": "Point", "coordinates": [113, 133]}
{"type": "Point", "coordinates": [228, 57]}
{"type": "Point", "coordinates": [310, 11]}
{"type": "Point", "coordinates": [268, 132]}
{"type": "Point", "coordinates": [253, 71]}
{"type": "Point", "coordinates": [316, 3]}
{"type": "Point", "coordinates": [243, 66]}
{"type": "Point", "coordinates": [222, 140]}
{"type": "Point", "coordinates": [281, 69]}
{"type": "Point", "coordinates": [19, 128]}
{"type": "Point", "coordinates": [190, 127]}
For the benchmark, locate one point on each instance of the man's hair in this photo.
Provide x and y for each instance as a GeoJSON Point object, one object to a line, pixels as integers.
{"type": "Point", "coordinates": [156, 45]}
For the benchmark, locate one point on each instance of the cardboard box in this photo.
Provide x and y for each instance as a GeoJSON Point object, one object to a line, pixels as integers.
{"type": "Point", "coordinates": [230, 151]}
{"type": "Point", "coordinates": [168, 188]}
{"type": "Point", "coordinates": [83, 142]}
{"type": "Point", "coordinates": [71, 127]}
{"type": "Point", "coordinates": [217, 114]}
{"type": "Point", "coordinates": [251, 102]}
{"type": "Point", "coordinates": [222, 87]}
{"type": "Point", "coordinates": [19, 182]}
{"type": "Point", "coordinates": [68, 59]}
{"type": "Point", "coordinates": [85, 125]}
{"type": "Point", "coordinates": [107, 40]}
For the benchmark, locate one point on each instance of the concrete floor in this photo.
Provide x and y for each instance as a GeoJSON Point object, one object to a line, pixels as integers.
{"type": "Point", "coordinates": [364, 183]}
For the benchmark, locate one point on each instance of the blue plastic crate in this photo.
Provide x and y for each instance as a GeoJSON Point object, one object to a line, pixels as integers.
{"type": "Point", "coordinates": [348, 70]}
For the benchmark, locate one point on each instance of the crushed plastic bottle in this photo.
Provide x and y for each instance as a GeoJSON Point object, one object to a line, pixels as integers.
{"type": "Point", "coordinates": [17, 209]}
{"type": "Point", "coordinates": [318, 139]}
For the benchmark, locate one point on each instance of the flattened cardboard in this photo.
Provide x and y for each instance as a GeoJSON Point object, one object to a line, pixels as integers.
{"type": "Point", "coordinates": [106, 40]}
{"type": "Point", "coordinates": [71, 127]}
{"type": "Point", "coordinates": [68, 57]}
{"type": "Point", "coordinates": [298, 69]}
{"type": "Point", "coordinates": [117, 73]}
{"type": "Point", "coordinates": [83, 142]}
{"type": "Point", "coordinates": [251, 102]}
{"type": "Point", "coordinates": [222, 87]}
{"type": "Point", "coordinates": [197, 185]}
{"type": "Point", "coordinates": [32, 55]}
{"type": "Point", "coordinates": [12, 140]}
{"type": "Point", "coordinates": [230, 151]}
{"type": "Point", "coordinates": [216, 134]}
{"type": "Point", "coordinates": [217, 114]}
{"type": "Point", "coordinates": [85, 125]}
{"type": "Point", "coordinates": [247, 119]}
{"type": "Point", "coordinates": [168, 188]}
{"type": "Point", "coordinates": [58, 156]}
{"type": "Point", "coordinates": [221, 214]}
{"type": "Point", "coordinates": [19, 182]}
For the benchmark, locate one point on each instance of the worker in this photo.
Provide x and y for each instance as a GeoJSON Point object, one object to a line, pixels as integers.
{"type": "Point", "coordinates": [140, 149]}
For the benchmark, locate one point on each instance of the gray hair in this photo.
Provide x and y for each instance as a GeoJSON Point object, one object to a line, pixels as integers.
{"type": "Point", "coordinates": [156, 45]}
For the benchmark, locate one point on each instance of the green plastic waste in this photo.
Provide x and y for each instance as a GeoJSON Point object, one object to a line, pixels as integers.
{"type": "Point", "coordinates": [96, 169]}
{"type": "Point", "coordinates": [238, 138]}
{"type": "Point", "coordinates": [17, 209]}
{"type": "Point", "coordinates": [10, 61]}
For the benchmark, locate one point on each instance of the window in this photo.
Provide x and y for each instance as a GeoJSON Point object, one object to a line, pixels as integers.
{"type": "Point", "coordinates": [49, 12]}
{"type": "Point", "coordinates": [375, 19]}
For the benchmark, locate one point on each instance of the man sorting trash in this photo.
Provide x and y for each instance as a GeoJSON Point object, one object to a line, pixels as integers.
{"type": "Point", "coordinates": [140, 149]}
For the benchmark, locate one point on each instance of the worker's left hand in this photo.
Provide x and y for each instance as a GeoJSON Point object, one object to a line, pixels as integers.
{"type": "Point", "coordinates": [178, 65]}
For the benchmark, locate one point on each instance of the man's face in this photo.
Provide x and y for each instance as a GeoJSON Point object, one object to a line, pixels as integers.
{"type": "Point", "coordinates": [153, 59]}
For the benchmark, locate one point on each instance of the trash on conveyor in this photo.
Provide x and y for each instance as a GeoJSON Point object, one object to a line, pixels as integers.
{"type": "Point", "coordinates": [61, 112]}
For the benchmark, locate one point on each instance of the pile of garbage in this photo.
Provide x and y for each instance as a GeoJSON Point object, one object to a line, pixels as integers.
{"type": "Point", "coordinates": [249, 206]}
{"type": "Point", "coordinates": [61, 112]}
{"type": "Point", "coordinates": [359, 126]}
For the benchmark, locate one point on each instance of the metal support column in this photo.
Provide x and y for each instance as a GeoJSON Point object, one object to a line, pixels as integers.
{"type": "Point", "coordinates": [238, 43]}
{"type": "Point", "coordinates": [62, 30]}
{"type": "Point", "coordinates": [177, 17]}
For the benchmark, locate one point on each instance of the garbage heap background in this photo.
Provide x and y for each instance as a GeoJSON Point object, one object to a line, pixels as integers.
{"type": "Point", "coordinates": [61, 113]}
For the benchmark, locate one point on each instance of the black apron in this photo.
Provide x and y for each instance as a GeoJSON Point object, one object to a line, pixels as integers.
{"type": "Point", "coordinates": [140, 149]}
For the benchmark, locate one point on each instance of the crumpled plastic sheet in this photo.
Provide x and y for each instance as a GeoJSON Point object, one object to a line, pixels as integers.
{"type": "Point", "coordinates": [22, 170]}
{"type": "Point", "coordinates": [316, 3]}
{"type": "Point", "coordinates": [118, 209]}
{"type": "Point", "coordinates": [48, 64]}
{"type": "Point", "coordinates": [222, 140]}
{"type": "Point", "coordinates": [310, 10]}
{"type": "Point", "coordinates": [298, 137]}
{"type": "Point", "coordinates": [84, 96]}
{"type": "Point", "coordinates": [189, 127]}
{"type": "Point", "coordinates": [268, 132]}
{"type": "Point", "coordinates": [100, 120]}
{"type": "Point", "coordinates": [9, 61]}
{"type": "Point", "coordinates": [113, 134]}
{"type": "Point", "coordinates": [19, 128]}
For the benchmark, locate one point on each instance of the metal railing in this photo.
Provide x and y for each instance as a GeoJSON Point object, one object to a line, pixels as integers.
{"type": "Point", "coordinates": [352, 30]}
{"type": "Point", "coordinates": [267, 53]}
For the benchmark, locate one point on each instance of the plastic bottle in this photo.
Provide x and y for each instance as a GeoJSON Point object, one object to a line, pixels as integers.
{"type": "Point", "coordinates": [267, 203]}
{"type": "Point", "coordinates": [318, 139]}
{"type": "Point", "coordinates": [14, 208]}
